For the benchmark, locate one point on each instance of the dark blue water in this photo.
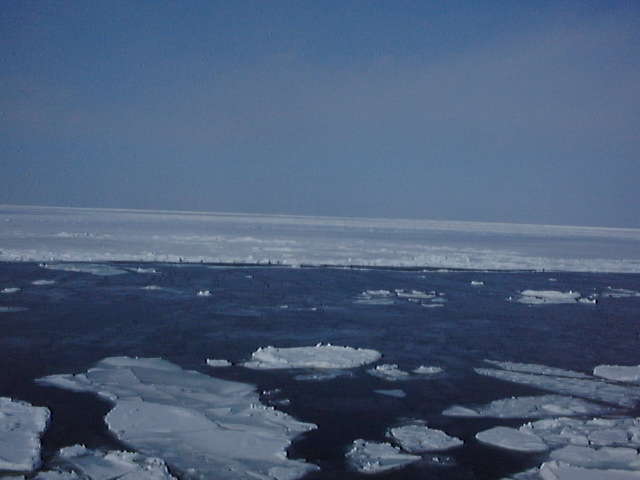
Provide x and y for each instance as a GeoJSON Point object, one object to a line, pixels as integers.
{"type": "Point", "coordinates": [82, 318]}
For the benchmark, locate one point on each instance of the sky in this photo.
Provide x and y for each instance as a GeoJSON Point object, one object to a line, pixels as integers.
{"type": "Point", "coordinates": [516, 111]}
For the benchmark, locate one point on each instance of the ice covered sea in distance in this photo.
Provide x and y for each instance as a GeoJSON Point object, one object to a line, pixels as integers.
{"type": "Point", "coordinates": [112, 356]}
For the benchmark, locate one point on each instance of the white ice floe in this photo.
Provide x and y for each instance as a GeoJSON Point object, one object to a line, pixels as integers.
{"type": "Point", "coordinates": [427, 370]}
{"type": "Point", "coordinates": [21, 425]}
{"type": "Point", "coordinates": [78, 462]}
{"type": "Point", "coordinates": [375, 297]}
{"type": "Point", "coordinates": [547, 297]}
{"type": "Point", "coordinates": [319, 356]}
{"type": "Point", "coordinates": [392, 393]}
{"type": "Point", "coordinates": [536, 368]}
{"type": "Point", "coordinates": [216, 363]}
{"type": "Point", "coordinates": [619, 293]}
{"type": "Point", "coordinates": [388, 371]}
{"type": "Point", "coordinates": [415, 294]}
{"type": "Point", "coordinates": [43, 282]}
{"type": "Point", "coordinates": [152, 287]}
{"type": "Point", "coordinates": [555, 470]}
{"type": "Point", "coordinates": [477, 283]}
{"type": "Point", "coordinates": [512, 439]}
{"type": "Point", "coordinates": [590, 388]}
{"type": "Point", "coordinates": [204, 426]}
{"type": "Point", "coordinates": [10, 290]}
{"type": "Point", "coordinates": [144, 270]}
{"type": "Point", "coordinates": [375, 457]}
{"type": "Point", "coordinates": [92, 268]}
{"type": "Point", "coordinates": [618, 373]}
{"type": "Point", "coordinates": [11, 309]}
{"type": "Point", "coordinates": [418, 438]}
{"type": "Point", "coordinates": [203, 293]}
{"type": "Point", "coordinates": [322, 375]}
{"type": "Point", "coordinates": [432, 305]}
{"type": "Point", "coordinates": [529, 407]}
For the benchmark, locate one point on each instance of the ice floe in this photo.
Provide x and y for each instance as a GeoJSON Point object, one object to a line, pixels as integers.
{"type": "Point", "coordinates": [11, 309]}
{"type": "Point", "coordinates": [555, 470]}
{"type": "Point", "coordinates": [618, 373]}
{"type": "Point", "coordinates": [144, 270]}
{"type": "Point", "coordinates": [216, 363]}
{"type": "Point", "coordinates": [619, 293]}
{"type": "Point", "coordinates": [10, 290]}
{"type": "Point", "coordinates": [512, 439]}
{"type": "Point", "coordinates": [477, 283]}
{"type": "Point", "coordinates": [322, 375]}
{"type": "Point", "coordinates": [392, 393]}
{"type": "Point", "coordinates": [542, 406]}
{"type": "Point", "coordinates": [388, 371]}
{"type": "Point", "coordinates": [43, 282]}
{"type": "Point", "coordinates": [418, 438]}
{"type": "Point", "coordinates": [536, 368]}
{"type": "Point", "coordinates": [203, 293]}
{"type": "Point", "coordinates": [376, 457]}
{"type": "Point", "coordinates": [21, 425]}
{"type": "Point", "coordinates": [78, 462]}
{"type": "Point", "coordinates": [92, 268]}
{"type": "Point", "coordinates": [415, 294]}
{"type": "Point", "coordinates": [152, 287]}
{"type": "Point", "coordinates": [427, 370]}
{"type": "Point", "coordinates": [204, 426]}
{"type": "Point", "coordinates": [375, 297]}
{"type": "Point", "coordinates": [547, 297]}
{"type": "Point", "coordinates": [319, 356]}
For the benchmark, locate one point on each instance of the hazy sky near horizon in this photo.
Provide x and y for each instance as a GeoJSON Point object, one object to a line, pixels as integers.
{"type": "Point", "coordinates": [491, 111]}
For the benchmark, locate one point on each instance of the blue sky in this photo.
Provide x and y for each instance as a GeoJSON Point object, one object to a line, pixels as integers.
{"type": "Point", "coordinates": [477, 110]}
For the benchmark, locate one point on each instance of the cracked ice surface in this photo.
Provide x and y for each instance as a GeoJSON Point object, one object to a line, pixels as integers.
{"type": "Point", "coordinates": [202, 426]}
{"type": "Point", "coordinates": [375, 457]}
{"type": "Point", "coordinates": [529, 407]}
{"type": "Point", "coordinates": [319, 356]}
{"type": "Point", "coordinates": [78, 462]}
{"type": "Point", "coordinates": [21, 425]}
{"type": "Point", "coordinates": [420, 438]}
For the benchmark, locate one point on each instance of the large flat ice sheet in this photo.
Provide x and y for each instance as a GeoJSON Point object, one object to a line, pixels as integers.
{"type": "Point", "coordinates": [67, 234]}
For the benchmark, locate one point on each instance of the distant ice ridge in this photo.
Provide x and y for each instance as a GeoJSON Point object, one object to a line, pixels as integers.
{"type": "Point", "coordinates": [46, 234]}
{"type": "Point", "coordinates": [319, 356]}
{"type": "Point", "coordinates": [79, 463]}
{"type": "Point", "coordinates": [203, 427]}
{"type": "Point", "coordinates": [21, 425]}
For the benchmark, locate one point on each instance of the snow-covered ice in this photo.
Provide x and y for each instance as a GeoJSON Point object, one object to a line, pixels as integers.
{"type": "Point", "coordinates": [376, 457]}
{"type": "Point", "coordinates": [555, 470]}
{"type": "Point", "coordinates": [388, 371]}
{"type": "Point", "coordinates": [477, 283]}
{"type": "Point", "coordinates": [201, 426]}
{"type": "Point", "coordinates": [21, 425]}
{"type": "Point", "coordinates": [92, 268]}
{"type": "Point", "coordinates": [547, 297]}
{"type": "Point", "coordinates": [78, 462]}
{"type": "Point", "coordinates": [512, 439]}
{"type": "Point", "coordinates": [418, 438]}
{"type": "Point", "coordinates": [618, 373]}
{"type": "Point", "coordinates": [415, 294]}
{"type": "Point", "coordinates": [542, 406]}
{"type": "Point", "coordinates": [43, 282]}
{"type": "Point", "coordinates": [10, 290]}
{"type": "Point", "coordinates": [48, 234]}
{"type": "Point", "coordinates": [319, 356]}
{"type": "Point", "coordinates": [218, 362]}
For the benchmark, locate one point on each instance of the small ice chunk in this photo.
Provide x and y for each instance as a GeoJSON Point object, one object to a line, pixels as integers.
{"type": "Point", "coordinates": [388, 371]}
{"type": "Point", "coordinates": [512, 439]}
{"type": "Point", "coordinates": [529, 407]}
{"type": "Point", "coordinates": [618, 373]}
{"type": "Point", "coordinates": [152, 287]}
{"type": "Point", "coordinates": [414, 294]}
{"type": "Point", "coordinates": [432, 305]}
{"type": "Point", "coordinates": [92, 268]}
{"type": "Point", "coordinates": [418, 438]}
{"type": "Point", "coordinates": [322, 375]}
{"type": "Point", "coordinates": [425, 370]}
{"type": "Point", "coordinates": [375, 457]}
{"type": "Point", "coordinates": [477, 283]}
{"type": "Point", "coordinates": [204, 293]}
{"type": "Point", "coordinates": [43, 282]}
{"type": "Point", "coordinates": [320, 356]}
{"type": "Point", "coordinates": [21, 425]}
{"type": "Point", "coordinates": [213, 362]}
{"type": "Point", "coordinates": [10, 290]}
{"type": "Point", "coordinates": [144, 270]}
{"type": "Point", "coordinates": [392, 393]}
{"type": "Point", "coordinates": [96, 465]}
{"type": "Point", "coordinates": [375, 297]}
{"type": "Point", "coordinates": [547, 297]}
